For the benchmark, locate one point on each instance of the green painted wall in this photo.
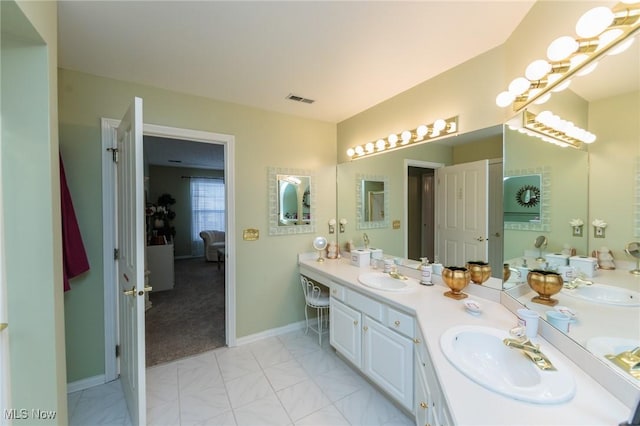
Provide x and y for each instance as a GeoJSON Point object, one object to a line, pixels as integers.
{"type": "Point", "coordinates": [30, 202]}
{"type": "Point", "coordinates": [266, 269]}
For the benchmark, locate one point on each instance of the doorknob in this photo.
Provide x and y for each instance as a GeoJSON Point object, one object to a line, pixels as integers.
{"type": "Point", "coordinates": [480, 239]}
{"type": "Point", "coordinates": [497, 234]}
{"type": "Point", "coordinates": [132, 292]}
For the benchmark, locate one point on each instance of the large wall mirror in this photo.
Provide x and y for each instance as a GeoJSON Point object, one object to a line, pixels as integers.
{"type": "Point", "coordinates": [597, 182]}
{"type": "Point", "coordinates": [407, 177]}
{"type": "Point", "coordinates": [291, 201]}
{"type": "Point", "coordinates": [372, 202]}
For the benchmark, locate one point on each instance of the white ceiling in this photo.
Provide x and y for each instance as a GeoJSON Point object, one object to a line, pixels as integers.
{"type": "Point", "coordinates": [346, 55]}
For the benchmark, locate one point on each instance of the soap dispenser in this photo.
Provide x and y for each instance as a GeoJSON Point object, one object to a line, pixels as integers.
{"type": "Point", "coordinates": [426, 270]}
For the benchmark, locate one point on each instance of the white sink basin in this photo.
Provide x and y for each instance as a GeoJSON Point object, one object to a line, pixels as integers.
{"type": "Point", "coordinates": [479, 353]}
{"type": "Point", "coordinates": [382, 281]}
{"type": "Point", "coordinates": [605, 294]}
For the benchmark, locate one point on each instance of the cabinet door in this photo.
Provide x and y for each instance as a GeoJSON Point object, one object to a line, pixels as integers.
{"type": "Point", "coordinates": [424, 404]}
{"type": "Point", "coordinates": [388, 360]}
{"type": "Point", "coordinates": [345, 331]}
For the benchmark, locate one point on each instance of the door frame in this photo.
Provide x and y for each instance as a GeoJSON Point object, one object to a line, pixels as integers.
{"type": "Point", "coordinates": [109, 127]}
{"type": "Point", "coordinates": [424, 165]}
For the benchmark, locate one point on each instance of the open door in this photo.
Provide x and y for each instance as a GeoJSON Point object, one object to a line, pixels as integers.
{"type": "Point", "coordinates": [130, 246]}
{"type": "Point", "coordinates": [461, 219]}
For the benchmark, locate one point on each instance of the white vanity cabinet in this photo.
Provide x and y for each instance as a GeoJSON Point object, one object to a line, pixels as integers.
{"type": "Point", "coordinates": [430, 405]}
{"type": "Point", "coordinates": [364, 332]}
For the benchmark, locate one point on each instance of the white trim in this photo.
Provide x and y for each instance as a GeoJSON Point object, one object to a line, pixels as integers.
{"type": "Point", "coordinates": [408, 162]}
{"type": "Point", "coordinates": [271, 333]}
{"type": "Point", "coordinates": [87, 383]}
{"type": "Point", "coordinates": [109, 127]}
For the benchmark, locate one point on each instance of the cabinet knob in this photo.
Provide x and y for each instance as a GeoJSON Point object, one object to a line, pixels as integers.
{"type": "Point", "coordinates": [397, 323]}
{"type": "Point", "coordinates": [416, 340]}
{"type": "Point", "coordinates": [365, 328]}
{"type": "Point", "coordinates": [424, 404]}
{"type": "Point", "coordinates": [355, 322]}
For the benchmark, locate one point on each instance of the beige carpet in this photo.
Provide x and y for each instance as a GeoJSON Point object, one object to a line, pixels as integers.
{"type": "Point", "coordinates": [189, 319]}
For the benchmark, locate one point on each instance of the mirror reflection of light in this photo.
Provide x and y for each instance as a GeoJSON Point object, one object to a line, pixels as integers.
{"type": "Point", "coordinates": [594, 21]}
{"type": "Point", "coordinates": [561, 48]}
{"type": "Point", "coordinates": [537, 69]}
{"type": "Point", "coordinates": [621, 47]}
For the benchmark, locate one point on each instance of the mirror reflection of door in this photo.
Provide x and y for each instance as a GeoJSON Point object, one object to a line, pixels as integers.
{"type": "Point", "coordinates": [376, 206]}
{"type": "Point", "coordinates": [420, 213]}
{"type": "Point", "coordinates": [373, 197]}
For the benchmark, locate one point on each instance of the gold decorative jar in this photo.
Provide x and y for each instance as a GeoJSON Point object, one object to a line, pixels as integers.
{"type": "Point", "coordinates": [546, 284]}
{"type": "Point", "coordinates": [506, 272]}
{"type": "Point", "coordinates": [479, 271]}
{"type": "Point", "coordinates": [456, 278]}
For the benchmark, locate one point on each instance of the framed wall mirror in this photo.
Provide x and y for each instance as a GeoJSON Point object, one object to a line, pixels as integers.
{"type": "Point", "coordinates": [372, 199]}
{"type": "Point", "coordinates": [291, 201]}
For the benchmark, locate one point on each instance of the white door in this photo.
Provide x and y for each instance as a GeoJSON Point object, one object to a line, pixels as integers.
{"type": "Point", "coordinates": [130, 243]}
{"type": "Point", "coordinates": [461, 219]}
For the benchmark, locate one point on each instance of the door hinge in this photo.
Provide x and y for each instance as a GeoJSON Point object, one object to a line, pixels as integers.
{"type": "Point", "coordinates": [117, 351]}
{"type": "Point", "coordinates": [114, 154]}
{"type": "Point", "coordinates": [116, 254]}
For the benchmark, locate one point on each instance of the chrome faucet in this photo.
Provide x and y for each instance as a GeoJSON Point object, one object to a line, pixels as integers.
{"type": "Point", "coordinates": [532, 351]}
{"type": "Point", "coordinates": [365, 238]}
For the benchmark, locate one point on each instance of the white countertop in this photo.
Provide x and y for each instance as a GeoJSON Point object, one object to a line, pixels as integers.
{"type": "Point", "coordinates": [469, 403]}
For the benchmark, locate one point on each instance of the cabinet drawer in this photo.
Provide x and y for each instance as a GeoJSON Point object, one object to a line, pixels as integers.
{"type": "Point", "coordinates": [365, 305]}
{"type": "Point", "coordinates": [337, 291]}
{"type": "Point", "coordinates": [400, 322]}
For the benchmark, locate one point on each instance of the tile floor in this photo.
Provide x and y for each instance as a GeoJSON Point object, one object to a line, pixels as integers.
{"type": "Point", "coordinates": [284, 380]}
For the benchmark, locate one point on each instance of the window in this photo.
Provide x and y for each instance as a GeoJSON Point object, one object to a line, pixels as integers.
{"type": "Point", "coordinates": [207, 209]}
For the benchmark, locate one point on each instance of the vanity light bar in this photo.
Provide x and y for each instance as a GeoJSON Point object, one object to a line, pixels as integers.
{"type": "Point", "coordinates": [600, 31]}
{"type": "Point", "coordinates": [551, 128]}
{"type": "Point", "coordinates": [421, 134]}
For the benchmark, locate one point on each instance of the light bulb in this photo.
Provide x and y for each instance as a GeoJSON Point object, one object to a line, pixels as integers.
{"type": "Point", "coordinates": [440, 124]}
{"type": "Point", "coordinates": [607, 37]}
{"type": "Point", "coordinates": [519, 85]}
{"type": "Point", "coordinates": [393, 139]}
{"type": "Point", "coordinates": [588, 69]}
{"type": "Point", "coordinates": [560, 87]}
{"type": "Point", "coordinates": [453, 127]}
{"type": "Point", "coordinates": [381, 144]}
{"type": "Point", "coordinates": [406, 137]}
{"type": "Point", "coordinates": [577, 60]}
{"type": "Point", "coordinates": [561, 48]}
{"type": "Point", "coordinates": [594, 22]}
{"type": "Point", "coordinates": [421, 131]}
{"type": "Point", "coordinates": [544, 117]}
{"type": "Point", "coordinates": [537, 69]}
{"type": "Point", "coordinates": [590, 138]}
{"type": "Point", "coordinates": [505, 99]}
{"type": "Point", "coordinates": [621, 47]}
{"type": "Point", "coordinates": [542, 99]}
{"type": "Point", "coordinates": [351, 152]}
{"type": "Point", "coordinates": [359, 150]}
{"type": "Point", "coordinates": [369, 147]}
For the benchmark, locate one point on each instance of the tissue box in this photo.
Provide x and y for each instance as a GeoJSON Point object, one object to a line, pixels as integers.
{"type": "Point", "coordinates": [557, 259]}
{"type": "Point", "coordinates": [360, 257]}
{"type": "Point", "coordinates": [584, 265]}
{"type": "Point", "coordinates": [376, 253]}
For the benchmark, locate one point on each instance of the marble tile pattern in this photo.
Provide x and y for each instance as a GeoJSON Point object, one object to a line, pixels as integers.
{"type": "Point", "coordinates": [283, 380]}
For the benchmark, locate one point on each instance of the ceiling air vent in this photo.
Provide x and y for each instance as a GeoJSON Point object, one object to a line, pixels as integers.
{"type": "Point", "coordinates": [297, 98]}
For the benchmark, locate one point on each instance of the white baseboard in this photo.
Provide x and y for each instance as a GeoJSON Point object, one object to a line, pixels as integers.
{"type": "Point", "coordinates": [87, 383]}
{"type": "Point", "coordinates": [270, 333]}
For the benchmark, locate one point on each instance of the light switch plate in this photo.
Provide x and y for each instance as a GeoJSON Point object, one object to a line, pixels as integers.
{"type": "Point", "coordinates": [250, 234]}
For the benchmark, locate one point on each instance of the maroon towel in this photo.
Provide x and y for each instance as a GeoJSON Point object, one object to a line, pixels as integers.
{"type": "Point", "coordinates": [75, 260]}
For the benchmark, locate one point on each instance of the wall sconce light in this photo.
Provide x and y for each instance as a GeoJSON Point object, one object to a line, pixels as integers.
{"type": "Point", "coordinates": [551, 128]}
{"type": "Point", "coordinates": [598, 228]}
{"type": "Point", "coordinates": [343, 222]}
{"type": "Point", "coordinates": [600, 31]}
{"type": "Point", "coordinates": [576, 225]}
{"type": "Point", "coordinates": [422, 133]}
{"type": "Point", "coordinates": [332, 226]}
